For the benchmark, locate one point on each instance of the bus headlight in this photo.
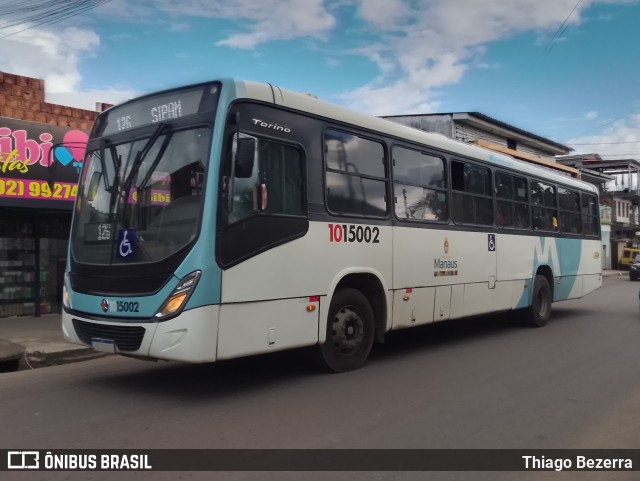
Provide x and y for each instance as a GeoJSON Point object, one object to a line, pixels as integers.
{"type": "Point", "coordinates": [180, 295]}
{"type": "Point", "coordinates": [66, 302]}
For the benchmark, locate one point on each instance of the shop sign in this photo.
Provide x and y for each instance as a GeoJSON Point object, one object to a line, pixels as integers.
{"type": "Point", "coordinates": [27, 166]}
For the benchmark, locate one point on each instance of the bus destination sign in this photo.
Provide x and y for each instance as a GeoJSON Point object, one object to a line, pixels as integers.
{"type": "Point", "coordinates": [158, 108]}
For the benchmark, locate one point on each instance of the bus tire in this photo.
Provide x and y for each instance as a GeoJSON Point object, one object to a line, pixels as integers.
{"type": "Point", "coordinates": [350, 332]}
{"type": "Point", "coordinates": [538, 313]}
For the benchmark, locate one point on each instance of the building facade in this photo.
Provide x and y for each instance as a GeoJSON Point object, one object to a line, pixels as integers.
{"type": "Point", "coordinates": [37, 191]}
{"type": "Point", "coordinates": [619, 199]}
{"type": "Point", "coordinates": [482, 130]}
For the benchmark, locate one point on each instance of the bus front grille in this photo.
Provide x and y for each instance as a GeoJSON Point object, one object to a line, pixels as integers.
{"type": "Point", "coordinates": [127, 338]}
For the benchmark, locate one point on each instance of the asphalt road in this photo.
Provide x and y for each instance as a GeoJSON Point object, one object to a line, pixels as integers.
{"type": "Point", "coordinates": [481, 383]}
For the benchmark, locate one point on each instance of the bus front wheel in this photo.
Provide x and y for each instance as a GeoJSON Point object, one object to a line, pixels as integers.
{"type": "Point", "coordinates": [538, 313]}
{"type": "Point", "coordinates": [350, 332]}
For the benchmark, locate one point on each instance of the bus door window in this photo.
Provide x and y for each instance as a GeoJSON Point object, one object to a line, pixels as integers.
{"type": "Point", "coordinates": [275, 185]}
{"type": "Point", "coordinates": [281, 178]}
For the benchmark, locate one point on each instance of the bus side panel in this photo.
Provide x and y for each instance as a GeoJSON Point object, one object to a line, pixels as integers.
{"type": "Point", "coordinates": [591, 282]}
{"type": "Point", "coordinates": [570, 260]}
{"type": "Point", "coordinates": [578, 260]}
{"type": "Point", "coordinates": [476, 300]}
{"type": "Point", "coordinates": [591, 266]}
{"type": "Point", "coordinates": [432, 257]}
{"type": "Point", "coordinates": [460, 265]}
{"type": "Point", "coordinates": [258, 327]}
{"type": "Point", "coordinates": [283, 276]}
{"type": "Point", "coordinates": [515, 254]}
{"type": "Point", "coordinates": [521, 293]}
{"type": "Point", "coordinates": [306, 266]}
{"type": "Point", "coordinates": [442, 307]}
{"type": "Point", "coordinates": [413, 308]}
{"type": "Point", "coordinates": [192, 336]}
{"type": "Point", "coordinates": [517, 262]}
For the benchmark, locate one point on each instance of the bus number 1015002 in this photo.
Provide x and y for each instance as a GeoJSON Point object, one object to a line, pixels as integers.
{"type": "Point", "coordinates": [353, 233]}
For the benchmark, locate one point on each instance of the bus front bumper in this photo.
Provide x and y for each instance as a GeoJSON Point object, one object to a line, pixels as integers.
{"type": "Point", "coordinates": [190, 337]}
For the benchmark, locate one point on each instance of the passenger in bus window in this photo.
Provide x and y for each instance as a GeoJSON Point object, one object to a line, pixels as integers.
{"type": "Point", "coordinates": [504, 217]}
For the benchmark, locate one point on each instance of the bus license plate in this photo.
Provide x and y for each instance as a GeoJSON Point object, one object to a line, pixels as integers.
{"type": "Point", "coordinates": [103, 345]}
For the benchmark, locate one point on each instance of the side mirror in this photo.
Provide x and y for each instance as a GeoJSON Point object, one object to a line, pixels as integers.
{"type": "Point", "coordinates": [245, 157]}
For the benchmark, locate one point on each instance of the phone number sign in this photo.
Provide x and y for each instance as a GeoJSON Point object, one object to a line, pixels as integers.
{"type": "Point", "coordinates": [37, 190]}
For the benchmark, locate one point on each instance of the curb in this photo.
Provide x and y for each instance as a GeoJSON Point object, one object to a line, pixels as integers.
{"type": "Point", "coordinates": [615, 273]}
{"type": "Point", "coordinates": [38, 359]}
{"type": "Point", "coordinates": [10, 355]}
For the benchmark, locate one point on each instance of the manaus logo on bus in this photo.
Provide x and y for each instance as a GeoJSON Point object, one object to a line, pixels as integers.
{"type": "Point", "coordinates": [445, 266]}
{"type": "Point", "coordinates": [445, 263]}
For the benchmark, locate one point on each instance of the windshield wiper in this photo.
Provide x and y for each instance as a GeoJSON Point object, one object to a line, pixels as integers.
{"type": "Point", "coordinates": [142, 153]}
{"type": "Point", "coordinates": [140, 156]}
{"type": "Point", "coordinates": [112, 189]}
{"type": "Point", "coordinates": [154, 164]}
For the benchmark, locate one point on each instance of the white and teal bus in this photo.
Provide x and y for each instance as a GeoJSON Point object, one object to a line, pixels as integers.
{"type": "Point", "coordinates": [232, 218]}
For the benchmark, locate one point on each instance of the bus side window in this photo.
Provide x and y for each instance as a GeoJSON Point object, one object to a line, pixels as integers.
{"type": "Point", "coordinates": [543, 199]}
{"type": "Point", "coordinates": [355, 175]}
{"type": "Point", "coordinates": [419, 185]}
{"type": "Point", "coordinates": [504, 217]}
{"type": "Point", "coordinates": [512, 202]}
{"type": "Point", "coordinates": [472, 196]}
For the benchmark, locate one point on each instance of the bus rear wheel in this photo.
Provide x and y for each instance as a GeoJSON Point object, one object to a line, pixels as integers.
{"type": "Point", "coordinates": [538, 313]}
{"type": "Point", "coordinates": [350, 332]}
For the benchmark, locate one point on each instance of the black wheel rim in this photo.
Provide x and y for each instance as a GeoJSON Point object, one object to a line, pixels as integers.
{"type": "Point", "coordinates": [347, 330]}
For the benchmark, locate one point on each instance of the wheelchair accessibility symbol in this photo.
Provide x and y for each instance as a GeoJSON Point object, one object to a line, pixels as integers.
{"type": "Point", "coordinates": [126, 243]}
{"type": "Point", "coordinates": [491, 242]}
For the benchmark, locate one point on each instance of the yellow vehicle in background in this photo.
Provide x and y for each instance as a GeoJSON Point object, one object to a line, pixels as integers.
{"type": "Point", "coordinates": [627, 257]}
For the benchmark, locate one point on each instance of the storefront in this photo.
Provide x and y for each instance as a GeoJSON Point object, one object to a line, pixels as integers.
{"type": "Point", "coordinates": [36, 201]}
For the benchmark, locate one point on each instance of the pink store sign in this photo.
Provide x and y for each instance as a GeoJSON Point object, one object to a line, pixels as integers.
{"type": "Point", "coordinates": [26, 163]}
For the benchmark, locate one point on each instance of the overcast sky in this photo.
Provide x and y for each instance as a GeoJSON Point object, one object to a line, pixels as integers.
{"type": "Point", "coordinates": [567, 70]}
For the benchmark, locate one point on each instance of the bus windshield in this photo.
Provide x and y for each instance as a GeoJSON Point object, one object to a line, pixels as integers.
{"type": "Point", "coordinates": [140, 201]}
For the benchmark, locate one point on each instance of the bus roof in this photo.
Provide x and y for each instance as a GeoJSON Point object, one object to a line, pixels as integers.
{"type": "Point", "coordinates": [310, 104]}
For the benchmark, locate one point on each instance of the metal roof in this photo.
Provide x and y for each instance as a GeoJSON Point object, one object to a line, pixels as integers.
{"type": "Point", "coordinates": [498, 123]}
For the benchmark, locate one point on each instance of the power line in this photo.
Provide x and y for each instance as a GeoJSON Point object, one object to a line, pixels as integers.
{"type": "Point", "coordinates": [560, 31]}
{"type": "Point", "coordinates": [35, 13]}
{"type": "Point", "coordinates": [607, 123]}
